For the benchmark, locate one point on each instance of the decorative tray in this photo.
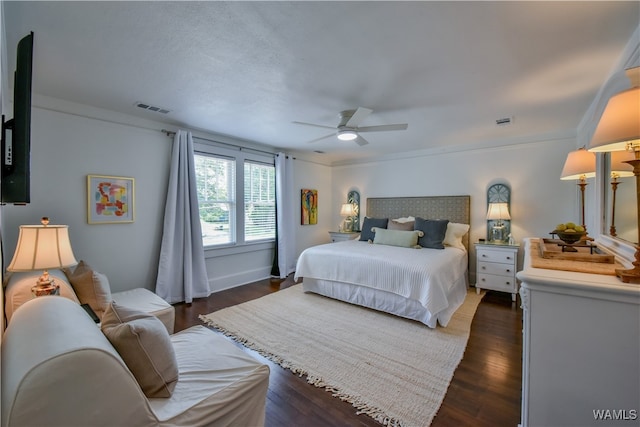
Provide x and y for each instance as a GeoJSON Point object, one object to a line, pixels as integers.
{"type": "Point", "coordinates": [583, 251]}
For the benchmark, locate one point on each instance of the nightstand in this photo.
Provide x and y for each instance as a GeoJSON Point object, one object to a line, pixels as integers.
{"type": "Point", "coordinates": [496, 266]}
{"type": "Point", "coordinates": [341, 236]}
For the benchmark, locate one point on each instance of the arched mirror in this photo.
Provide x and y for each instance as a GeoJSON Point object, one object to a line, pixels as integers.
{"type": "Point", "coordinates": [620, 213]}
{"type": "Point", "coordinates": [353, 197]}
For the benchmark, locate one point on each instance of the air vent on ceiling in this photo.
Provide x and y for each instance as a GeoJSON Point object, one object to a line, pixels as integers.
{"type": "Point", "coordinates": [504, 121]}
{"type": "Point", "coordinates": [152, 108]}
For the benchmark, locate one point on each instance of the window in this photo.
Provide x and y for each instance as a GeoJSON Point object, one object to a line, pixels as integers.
{"type": "Point", "coordinates": [236, 194]}
{"type": "Point", "coordinates": [215, 179]}
{"type": "Point", "coordinates": [259, 201]}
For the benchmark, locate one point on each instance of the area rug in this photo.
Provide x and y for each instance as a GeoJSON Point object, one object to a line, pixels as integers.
{"type": "Point", "coordinates": [395, 370]}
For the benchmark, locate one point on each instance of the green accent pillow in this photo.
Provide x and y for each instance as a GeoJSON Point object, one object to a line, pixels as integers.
{"type": "Point", "coordinates": [402, 238]}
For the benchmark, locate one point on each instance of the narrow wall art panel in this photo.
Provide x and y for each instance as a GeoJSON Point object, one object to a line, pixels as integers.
{"type": "Point", "coordinates": [309, 205]}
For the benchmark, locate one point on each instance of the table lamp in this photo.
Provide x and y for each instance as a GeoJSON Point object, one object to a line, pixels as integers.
{"type": "Point", "coordinates": [497, 212]}
{"type": "Point", "coordinates": [348, 211]}
{"type": "Point", "coordinates": [619, 130]}
{"type": "Point", "coordinates": [42, 247]}
{"type": "Point", "coordinates": [580, 165]}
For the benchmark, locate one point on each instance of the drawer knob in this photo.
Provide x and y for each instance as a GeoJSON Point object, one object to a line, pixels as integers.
{"type": "Point", "coordinates": [508, 283]}
{"type": "Point", "coordinates": [508, 257]}
{"type": "Point", "coordinates": [508, 271]}
{"type": "Point", "coordinates": [484, 256]}
{"type": "Point", "coordinates": [484, 268]}
{"type": "Point", "coordinates": [482, 279]}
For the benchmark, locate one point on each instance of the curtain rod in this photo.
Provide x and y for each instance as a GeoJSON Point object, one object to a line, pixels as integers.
{"type": "Point", "coordinates": [239, 147]}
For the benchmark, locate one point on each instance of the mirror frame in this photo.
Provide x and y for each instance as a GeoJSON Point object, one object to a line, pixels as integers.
{"type": "Point", "coordinates": [619, 247]}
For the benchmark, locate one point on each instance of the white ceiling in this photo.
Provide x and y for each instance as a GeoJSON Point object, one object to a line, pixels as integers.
{"type": "Point", "coordinates": [249, 69]}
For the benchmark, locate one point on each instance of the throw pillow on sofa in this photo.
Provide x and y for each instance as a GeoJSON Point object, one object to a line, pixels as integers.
{"type": "Point", "coordinates": [90, 286]}
{"type": "Point", "coordinates": [144, 344]}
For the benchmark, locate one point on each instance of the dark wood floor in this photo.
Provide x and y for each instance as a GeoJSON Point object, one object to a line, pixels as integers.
{"type": "Point", "coordinates": [485, 390]}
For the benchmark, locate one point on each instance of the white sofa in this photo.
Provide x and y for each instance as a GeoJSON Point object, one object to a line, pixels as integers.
{"type": "Point", "coordinates": [59, 369]}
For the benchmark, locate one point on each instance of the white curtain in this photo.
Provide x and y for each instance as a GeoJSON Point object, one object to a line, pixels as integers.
{"type": "Point", "coordinates": [182, 274]}
{"type": "Point", "coordinates": [285, 202]}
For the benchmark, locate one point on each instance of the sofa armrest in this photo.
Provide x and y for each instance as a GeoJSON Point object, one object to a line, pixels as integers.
{"type": "Point", "coordinates": [19, 284]}
{"type": "Point", "coordinates": [59, 369]}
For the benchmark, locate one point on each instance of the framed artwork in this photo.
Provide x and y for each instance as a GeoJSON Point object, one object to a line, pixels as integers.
{"type": "Point", "coordinates": [309, 205]}
{"type": "Point", "coordinates": [110, 199]}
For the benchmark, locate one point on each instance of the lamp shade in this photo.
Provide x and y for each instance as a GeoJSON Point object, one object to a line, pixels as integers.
{"type": "Point", "coordinates": [619, 126]}
{"type": "Point", "coordinates": [498, 211]}
{"type": "Point", "coordinates": [580, 163]}
{"type": "Point", "coordinates": [42, 247]}
{"type": "Point", "coordinates": [347, 210]}
{"type": "Point", "coordinates": [619, 167]}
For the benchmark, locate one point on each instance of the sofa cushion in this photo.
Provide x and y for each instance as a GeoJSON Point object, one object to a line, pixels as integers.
{"type": "Point", "coordinates": [91, 287]}
{"type": "Point", "coordinates": [145, 346]}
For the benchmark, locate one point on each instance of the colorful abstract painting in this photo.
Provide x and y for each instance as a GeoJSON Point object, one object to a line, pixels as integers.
{"type": "Point", "coordinates": [309, 203]}
{"type": "Point", "coordinates": [110, 199]}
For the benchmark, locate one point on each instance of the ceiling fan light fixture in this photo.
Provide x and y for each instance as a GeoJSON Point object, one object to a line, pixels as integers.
{"type": "Point", "coordinates": [347, 135]}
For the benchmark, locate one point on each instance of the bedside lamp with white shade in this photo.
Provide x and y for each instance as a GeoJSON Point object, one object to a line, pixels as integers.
{"type": "Point", "coordinates": [498, 212]}
{"type": "Point", "coordinates": [43, 247]}
{"type": "Point", "coordinates": [348, 211]}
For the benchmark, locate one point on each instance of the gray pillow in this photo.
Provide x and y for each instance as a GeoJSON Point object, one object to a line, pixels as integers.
{"type": "Point", "coordinates": [144, 344]}
{"type": "Point", "coordinates": [368, 234]}
{"type": "Point", "coordinates": [434, 231]}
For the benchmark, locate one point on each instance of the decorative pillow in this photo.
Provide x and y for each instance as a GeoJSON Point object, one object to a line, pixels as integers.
{"type": "Point", "coordinates": [367, 234]}
{"type": "Point", "coordinates": [90, 286]}
{"type": "Point", "coordinates": [455, 233]}
{"type": "Point", "coordinates": [405, 219]}
{"type": "Point", "coordinates": [402, 238]}
{"type": "Point", "coordinates": [397, 225]}
{"type": "Point", "coordinates": [144, 344]}
{"type": "Point", "coordinates": [434, 232]}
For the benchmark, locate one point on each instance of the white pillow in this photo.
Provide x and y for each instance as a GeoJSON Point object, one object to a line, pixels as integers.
{"type": "Point", "coordinates": [404, 219]}
{"type": "Point", "coordinates": [454, 234]}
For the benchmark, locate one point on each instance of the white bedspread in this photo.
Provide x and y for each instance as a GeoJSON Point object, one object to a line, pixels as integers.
{"type": "Point", "coordinates": [424, 275]}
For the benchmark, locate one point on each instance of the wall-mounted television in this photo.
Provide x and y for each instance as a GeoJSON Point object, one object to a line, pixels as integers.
{"type": "Point", "coordinates": [16, 132]}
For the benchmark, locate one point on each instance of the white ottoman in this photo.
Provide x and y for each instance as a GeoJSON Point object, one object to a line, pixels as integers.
{"type": "Point", "coordinates": [144, 300]}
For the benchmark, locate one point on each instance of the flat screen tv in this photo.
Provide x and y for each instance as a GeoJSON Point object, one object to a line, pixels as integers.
{"type": "Point", "coordinates": [16, 133]}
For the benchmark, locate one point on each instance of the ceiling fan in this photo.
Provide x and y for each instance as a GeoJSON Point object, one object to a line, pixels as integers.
{"type": "Point", "coordinates": [348, 130]}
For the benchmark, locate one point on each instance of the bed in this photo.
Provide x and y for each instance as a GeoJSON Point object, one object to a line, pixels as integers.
{"type": "Point", "coordinates": [427, 285]}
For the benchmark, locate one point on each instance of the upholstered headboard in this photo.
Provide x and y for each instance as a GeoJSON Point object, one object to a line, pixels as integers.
{"type": "Point", "coordinates": [453, 208]}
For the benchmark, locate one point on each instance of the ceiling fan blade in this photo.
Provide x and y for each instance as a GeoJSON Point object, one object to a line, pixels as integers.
{"type": "Point", "coordinates": [314, 125]}
{"type": "Point", "coordinates": [361, 141]}
{"type": "Point", "coordinates": [357, 118]}
{"type": "Point", "coordinates": [321, 138]}
{"type": "Point", "coordinates": [398, 126]}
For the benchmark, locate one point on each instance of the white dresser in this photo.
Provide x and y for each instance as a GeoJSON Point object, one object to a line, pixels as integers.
{"type": "Point", "coordinates": [581, 348]}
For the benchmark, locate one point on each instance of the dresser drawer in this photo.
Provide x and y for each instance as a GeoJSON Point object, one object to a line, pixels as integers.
{"type": "Point", "coordinates": [504, 257]}
{"type": "Point", "coordinates": [496, 283]}
{"type": "Point", "coordinates": [507, 270]}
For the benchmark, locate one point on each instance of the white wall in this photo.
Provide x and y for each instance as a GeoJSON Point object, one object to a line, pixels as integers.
{"type": "Point", "coordinates": [539, 199]}
{"type": "Point", "coordinates": [65, 148]}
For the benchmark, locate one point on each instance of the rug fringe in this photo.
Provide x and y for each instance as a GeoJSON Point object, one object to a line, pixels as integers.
{"type": "Point", "coordinates": [361, 407]}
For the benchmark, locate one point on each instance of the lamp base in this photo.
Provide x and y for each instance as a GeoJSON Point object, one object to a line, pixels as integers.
{"type": "Point", "coordinates": [631, 275]}
{"type": "Point", "coordinates": [45, 285]}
